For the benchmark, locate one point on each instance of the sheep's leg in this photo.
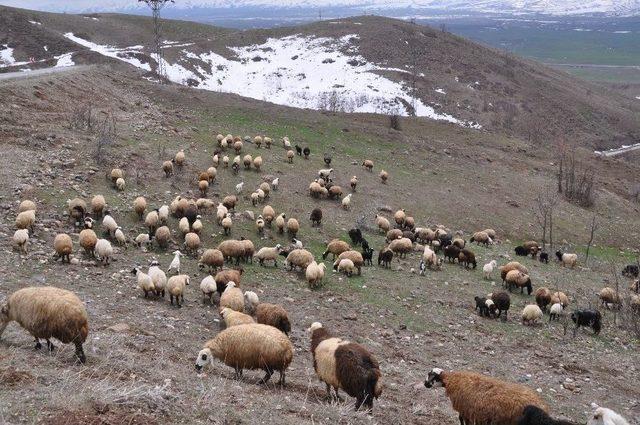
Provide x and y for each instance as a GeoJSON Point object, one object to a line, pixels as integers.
{"type": "Point", "coordinates": [266, 377]}
{"type": "Point", "coordinates": [461, 420]}
{"type": "Point", "coordinates": [80, 353]}
{"type": "Point", "coordinates": [238, 374]}
{"type": "Point", "coordinates": [38, 344]}
{"type": "Point", "coordinates": [171, 298]}
{"type": "Point", "coordinates": [282, 378]}
{"type": "Point", "coordinates": [50, 346]}
{"type": "Point", "coordinates": [329, 394]}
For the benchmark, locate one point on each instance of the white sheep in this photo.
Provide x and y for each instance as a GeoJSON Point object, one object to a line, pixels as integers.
{"type": "Point", "coordinates": [488, 268]}
{"type": "Point", "coordinates": [297, 243]}
{"type": "Point", "coordinates": [239, 187]}
{"type": "Point", "coordinates": [325, 173]}
{"type": "Point", "coordinates": [21, 239]}
{"type": "Point", "coordinates": [604, 416]}
{"type": "Point", "coordinates": [347, 267]}
{"type": "Point", "coordinates": [120, 237]}
{"type": "Point", "coordinates": [163, 214]}
{"type": "Point", "coordinates": [531, 314]}
{"type": "Point", "coordinates": [346, 201]}
{"type": "Point", "coordinates": [144, 281]}
{"type": "Point", "coordinates": [556, 311]}
{"type": "Point", "coordinates": [274, 183]}
{"type": "Point", "coordinates": [175, 263]}
{"type": "Point", "coordinates": [208, 287]}
{"type": "Point", "coordinates": [109, 223]}
{"type": "Point", "coordinates": [251, 301]}
{"type": "Point", "coordinates": [120, 184]}
{"type": "Point", "coordinates": [158, 277]}
{"type": "Point", "coordinates": [103, 251]}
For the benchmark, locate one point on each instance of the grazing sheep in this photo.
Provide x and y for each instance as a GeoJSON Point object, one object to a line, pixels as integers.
{"type": "Point", "coordinates": [225, 161]}
{"type": "Point", "coordinates": [502, 302]}
{"type": "Point", "coordinates": [47, 312]}
{"type": "Point", "coordinates": [251, 346]}
{"type": "Point", "coordinates": [280, 223]}
{"type": "Point", "coordinates": [163, 236]}
{"type": "Point", "coordinates": [590, 318]}
{"type": "Point", "coordinates": [152, 220]}
{"type": "Point", "coordinates": [521, 251]}
{"type": "Point", "coordinates": [232, 318]}
{"type": "Point", "coordinates": [77, 211]}
{"type": "Point", "coordinates": [556, 312]}
{"type": "Point", "coordinates": [268, 213]}
{"type": "Point", "coordinates": [399, 217]}
{"type": "Point", "coordinates": [631, 270]}
{"type": "Point", "coordinates": [227, 223]}
{"type": "Point", "coordinates": [63, 245]}
{"type": "Point", "coordinates": [139, 205]}
{"type": "Point", "coordinates": [260, 224]}
{"type": "Point", "coordinates": [481, 399]}
{"type": "Point", "coordinates": [232, 250]}
{"type": "Point", "coordinates": [158, 277]}
{"type": "Point", "coordinates": [452, 253]}
{"type": "Point", "coordinates": [316, 191]}
{"type": "Point", "coordinates": [251, 301]}
{"type": "Point", "coordinates": [342, 364]}
{"type": "Point", "coordinates": [249, 249]}
{"type": "Point", "coordinates": [275, 183]}
{"type": "Point", "coordinates": [368, 165]}
{"type": "Point", "coordinates": [98, 204]}
{"type": "Point", "coordinates": [163, 214]}
{"type": "Point", "coordinates": [604, 416]}
{"type": "Point", "coordinates": [560, 297]}
{"type": "Point", "coordinates": [211, 258]}
{"type": "Point", "coordinates": [26, 220]}
{"type": "Point", "coordinates": [431, 260]}
{"type": "Point", "coordinates": [459, 242]}
{"type": "Point", "coordinates": [290, 155]}
{"type": "Point", "coordinates": [531, 314]}
{"type": "Point", "coordinates": [120, 184]}
{"type": "Point", "coordinates": [109, 224]}
{"type": "Point", "coordinates": [481, 306]}
{"type": "Point", "coordinates": [116, 174]}
{"type": "Point", "coordinates": [533, 415]}
{"type": "Point", "coordinates": [394, 234]}
{"type": "Point", "coordinates": [223, 277]}
{"type": "Point", "coordinates": [175, 263]}
{"type": "Point", "coordinates": [247, 161]}
{"type": "Point", "coordinates": [354, 183]}
{"type": "Point", "coordinates": [179, 159]}
{"type": "Point", "coordinates": [300, 258]}
{"type": "Point", "coordinates": [232, 297]}
{"type": "Point", "coordinates": [221, 213]}
{"type": "Point", "coordinates": [192, 243]}
{"type": "Point", "coordinates": [273, 315]}
{"type": "Point", "coordinates": [239, 187]}
{"type": "Point", "coordinates": [385, 256]}
{"type": "Point", "coordinates": [306, 152]}
{"type": "Point", "coordinates": [481, 238]}
{"type": "Point", "coordinates": [355, 235]}
{"type": "Point", "coordinates": [609, 297]}
{"type": "Point", "coordinates": [119, 236]}
{"type": "Point", "coordinates": [269, 254]}
{"type": "Point", "coordinates": [354, 256]}
{"type": "Point", "coordinates": [314, 274]}
{"type": "Point", "coordinates": [516, 278]}
{"type": "Point", "coordinates": [21, 239]}
{"type": "Point", "coordinates": [335, 192]}
{"type": "Point", "coordinates": [543, 297]}
{"type": "Point", "coordinates": [335, 248]}
{"type": "Point", "coordinates": [28, 205]}
{"type": "Point", "coordinates": [367, 256]}
{"type": "Point", "coordinates": [487, 269]}
{"type": "Point", "coordinates": [467, 258]}
{"type": "Point", "coordinates": [401, 246]}
{"type": "Point", "coordinates": [144, 281]}
{"type": "Point", "coordinates": [346, 201]}
{"type": "Point", "coordinates": [167, 167]}
{"type": "Point", "coordinates": [345, 266]}
{"type": "Point", "coordinates": [257, 163]}
{"type": "Point", "coordinates": [103, 251]}
{"type": "Point", "coordinates": [513, 265]}
{"type": "Point", "coordinates": [316, 217]}
{"type": "Point", "coordinates": [203, 187]}
{"type": "Point", "coordinates": [325, 173]}
{"type": "Point", "coordinates": [197, 226]}
{"type": "Point", "coordinates": [176, 287]}
{"type": "Point", "coordinates": [230, 202]}
{"type": "Point", "coordinates": [544, 257]}
{"type": "Point", "coordinates": [384, 176]}
{"type": "Point", "coordinates": [568, 260]}
{"type": "Point", "coordinates": [293, 227]}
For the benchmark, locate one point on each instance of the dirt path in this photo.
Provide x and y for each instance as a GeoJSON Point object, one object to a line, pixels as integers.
{"type": "Point", "coordinates": [41, 72]}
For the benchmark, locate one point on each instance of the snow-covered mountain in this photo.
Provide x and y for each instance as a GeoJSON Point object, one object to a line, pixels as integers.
{"type": "Point", "coordinates": [551, 7]}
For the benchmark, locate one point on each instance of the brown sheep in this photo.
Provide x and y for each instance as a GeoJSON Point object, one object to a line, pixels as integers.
{"type": "Point", "coordinates": [163, 236]}
{"type": "Point", "coordinates": [384, 176]}
{"type": "Point", "coordinates": [293, 227]}
{"type": "Point", "coordinates": [543, 297]}
{"type": "Point", "coordinates": [116, 174]}
{"type": "Point", "coordinates": [354, 256]}
{"type": "Point", "coordinates": [401, 247]}
{"type": "Point", "coordinates": [609, 296]}
{"type": "Point", "coordinates": [249, 249]}
{"type": "Point", "coordinates": [47, 312]}
{"type": "Point", "coordinates": [27, 205]}
{"type": "Point", "coordinates": [481, 238]}
{"type": "Point", "coordinates": [230, 201]}
{"type": "Point", "coordinates": [513, 265]}
{"type": "Point", "coordinates": [300, 258]}
{"type": "Point", "coordinates": [176, 287]}
{"type": "Point", "coordinates": [480, 399]}
{"type": "Point", "coordinates": [232, 298]}
{"type": "Point", "coordinates": [368, 165]}
{"type": "Point", "coordinates": [225, 276]}
{"type": "Point", "coordinates": [273, 315]}
{"type": "Point", "coordinates": [211, 258]}
{"type": "Point", "coordinates": [232, 249]}
{"type": "Point", "coordinates": [167, 167]}
{"type": "Point", "coordinates": [88, 240]}
{"type": "Point", "coordinates": [515, 278]}
{"type": "Point", "coordinates": [98, 205]}
{"type": "Point", "coordinates": [335, 192]}
{"type": "Point", "coordinates": [394, 234]}
{"type": "Point", "coordinates": [268, 213]}
{"type": "Point", "coordinates": [139, 205]}
{"type": "Point", "coordinates": [251, 346]}
{"type": "Point", "coordinates": [466, 258]}
{"type": "Point", "coordinates": [399, 217]}
{"type": "Point", "coordinates": [382, 223]}
{"type": "Point", "coordinates": [234, 318]}
{"type": "Point", "coordinates": [560, 298]}
{"type": "Point", "coordinates": [63, 246]}
{"type": "Point", "coordinates": [335, 248]}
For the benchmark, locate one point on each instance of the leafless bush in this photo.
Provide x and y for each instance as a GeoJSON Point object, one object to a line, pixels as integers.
{"type": "Point", "coordinates": [635, 193]}
{"type": "Point", "coordinates": [575, 181]}
{"type": "Point", "coordinates": [630, 316]}
{"type": "Point", "coordinates": [106, 137]}
{"type": "Point", "coordinates": [81, 117]}
{"type": "Point", "coordinates": [395, 122]}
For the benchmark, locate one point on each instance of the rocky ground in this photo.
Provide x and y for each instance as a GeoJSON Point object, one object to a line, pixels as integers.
{"type": "Point", "coordinates": [141, 352]}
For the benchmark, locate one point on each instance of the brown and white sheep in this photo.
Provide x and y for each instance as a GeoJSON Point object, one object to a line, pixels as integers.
{"type": "Point", "coordinates": [516, 278]}
{"type": "Point", "coordinates": [335, 248]}
{"type": "Point", "coordinates": [401, 246]}
{"type": "Point", "coordinates": [354, 256]}
{"type": "Point", "coordinates": [176, 286]}
{"type": "Point", "coordinates": [234, 318]}
{"type": "Point", "coordinates": [47, 312]}
{"type": "Point", "coordinates": [314, 274]}
{"type": "Point", "coordinates": [300, 258]}
{"type": "Point", "coordinates": [368, 164]}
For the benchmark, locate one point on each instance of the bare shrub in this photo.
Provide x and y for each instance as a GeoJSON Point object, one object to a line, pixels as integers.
{"type": "Point", "coordinates": [576, 181]}
{"type": "Point", "coordinates": [395, 122]}
{"type": "Point", "coordinates": [81, 117]}
{"type": "Point", "coordinates": [107, 133]}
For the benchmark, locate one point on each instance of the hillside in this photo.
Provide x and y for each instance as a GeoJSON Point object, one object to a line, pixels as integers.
{"type": "Point", "coordinates": [347, 69]}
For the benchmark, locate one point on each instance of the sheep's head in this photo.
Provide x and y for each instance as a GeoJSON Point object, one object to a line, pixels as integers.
{"type": "Point", "coordinates": [314, 326]}
{"type": "Point", "coordinates": [204, 356]}
{"type": "Point", "coordinates": [434, 378]}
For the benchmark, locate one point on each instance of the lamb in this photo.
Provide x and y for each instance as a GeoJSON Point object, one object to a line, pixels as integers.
{"type": "Point", "coordinates": [98, 204]}
{"type": "Point", "coordinates": [590, 318]}
{"type": "Point", "coordinates": [487, 269]}
{"type": "Point", "coordinates": [556, 312]}
{"type": "Point", "coordinates": [300, 258]}
{"type": "Point", "coordinates": [48, 312]}
{"type": "Point", "coordinates": [251, 301]}
{"type": "Point", "coordinates": [232, 297]}
{"type": "Point", "coordinates": [346, 201]}
{"type": "Point", "coordinates": [158, 277]}
{"type": "Point", "coordinates": [227, 223]}
{"type": "Point", "coordinates": [232, 318]}
{"type": "Point", "coordinates": [63, 245]}
{"type": "Point", "coordinates": [26, 220]}
{"type": "Point", "coordinates": [354, 183]}
{"type": "Point", "coordinates": [384, 176]}
{"type": "Point", "coordinates": [273, 315]}
{"type": "Point", "coordinates": [175, 263]}
{"type": "Point", "coordinates": [167, 167]}
{"type": "Point", "coordinates": [208, 288]}
{"type": "Point", "coordinates": [116, 174]}
{"type": "Point", "coordinates": [544, 257]}
{"type": "Point", "coordinates": [401, 247]}
{"type": "Point", "coordinates": [239, 187]}
{"type": "Point", "coordinates": [176, 287]}
{"type": "Point", "coordinates": [290, 156]}
{"type": "Point", "coordinates": [385, 256]}
{"type": "Point", "coordinates": [568, 260]}
{"type": "Point", "coordinates": [103, 251]}
{"type": "Point", "coordinates": [335, 248]}
{"type": "Point", "coordinates": [466, 258]}
{"type": "Point", "coordinates": [368, 164]}
{"type": "Point", "coordinates": [518, 279]}
{"type": "Point", "coordinates": [26, 205]}
{"type": "Point", "coordinates": [481, 306]}
{"type": "Point", "coordinates": [269, 254]}
{"type": "Point", "coordinates": [163, 236]}
{"type": "Point", "coordinates": [144, 281]}
{"type": "Point", "coordinates": [481, 399]}
{"type": "Point", "coordinates": [314, 274]}
{"type": "Point", "coordinates": [345, 266]}
{"type": "Point", "coordinates": [192, 243]}
{"type": "Point", "coordinates": [109, 224]}
{"type": "Point", "coordinates": [223, 277]}
{"type": "Point", "coordinates": [431, 260]}
{"type": "Point", "coordinates": [533, 415]}
{"type": "Point", "coordinates": [609, 297]}
{"type": "Point", "coordinates": [345, 365]}
{"type": "Point", "coordinates": [604, 416]}
{"type": "Point", "coordinates": [251, 346]}
{"type": "Point", "coordinates": [232, 249]}
{"type": "Point", "coordinates": [293, 227]}
{"type": "Point", "coordinates": [531, 314]}
{"type": "Point", "coordinates": [120, 184]}
{"type": "Point", "coordinates": [502, 302]}
{"type": "Point", "coordinates": [354, 256]}
{"type": "Point", "coordinates": [306, 152]}
{"type": "Point", "coordinates": [316, 217]}
{"type": "Point", "coordinates": [21, 239]}
{"type": "Point", "coordinates": [543, 297]}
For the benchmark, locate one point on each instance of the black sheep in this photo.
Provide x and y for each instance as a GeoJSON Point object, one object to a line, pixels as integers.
{"type": "Point", "coordinates": [467, 257]}
{"type": "Point", "coordinates": [502, 302]}
{"type": "Point", "coordinates": [298, 150]}
{"type": "Point", "coordinates": [544, 257]}
{"type": "Point", "coordinates": [316, 217]}
{"type": "Point", "coordinates": [521, 251]}
{"type": "Point", "coordinates": [192, 214]}
{"type": "Point", "coordinates": [367, 255]}
{"type": "Point", "coordinates": [365, 244]}
{"type": "Point", "coordinates": [481, 306]}
{"type": "Point", "coordinates": [409, 235]}
{"type": "Point", "coordinates": [630, 271]}
{"type": "Point", "coordinates": [587, 318]}
{"type": "Point", "coordinates": [451, 253]}
{"type": "Point", "coordinates": [533, 415]}
{"type": "Point", "coordinates": [306, 151]}
{"type": "Point", "coordinates": [356, 236]}
{"type": "Point", "coordinates": [384, 257]}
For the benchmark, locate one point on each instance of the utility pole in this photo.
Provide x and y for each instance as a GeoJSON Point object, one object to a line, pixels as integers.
{"type": "Point", "coordinates": [156, 6]}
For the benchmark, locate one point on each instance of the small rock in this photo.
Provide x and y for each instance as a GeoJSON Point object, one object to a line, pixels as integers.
{"type": "Point", "coordinates": [120, 328]}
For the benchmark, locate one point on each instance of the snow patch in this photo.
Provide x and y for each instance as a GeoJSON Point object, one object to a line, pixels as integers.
{"type": "Point", "coordinates": [125, 55]}
{"type": "Point", "coordinates": [35, 22]}
{"type": "Point", "coordinates": [441, 91]}
{"type": "Point", "coordinates": [64, 60]}
{"type": "Point", "coordinates": [6, 56]}
{"type": "Point", "coordinates": [622, 32]}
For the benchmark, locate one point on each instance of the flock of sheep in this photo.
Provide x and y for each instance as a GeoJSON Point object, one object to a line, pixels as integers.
{"type": "Point", "coordinates": [256, 333]}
